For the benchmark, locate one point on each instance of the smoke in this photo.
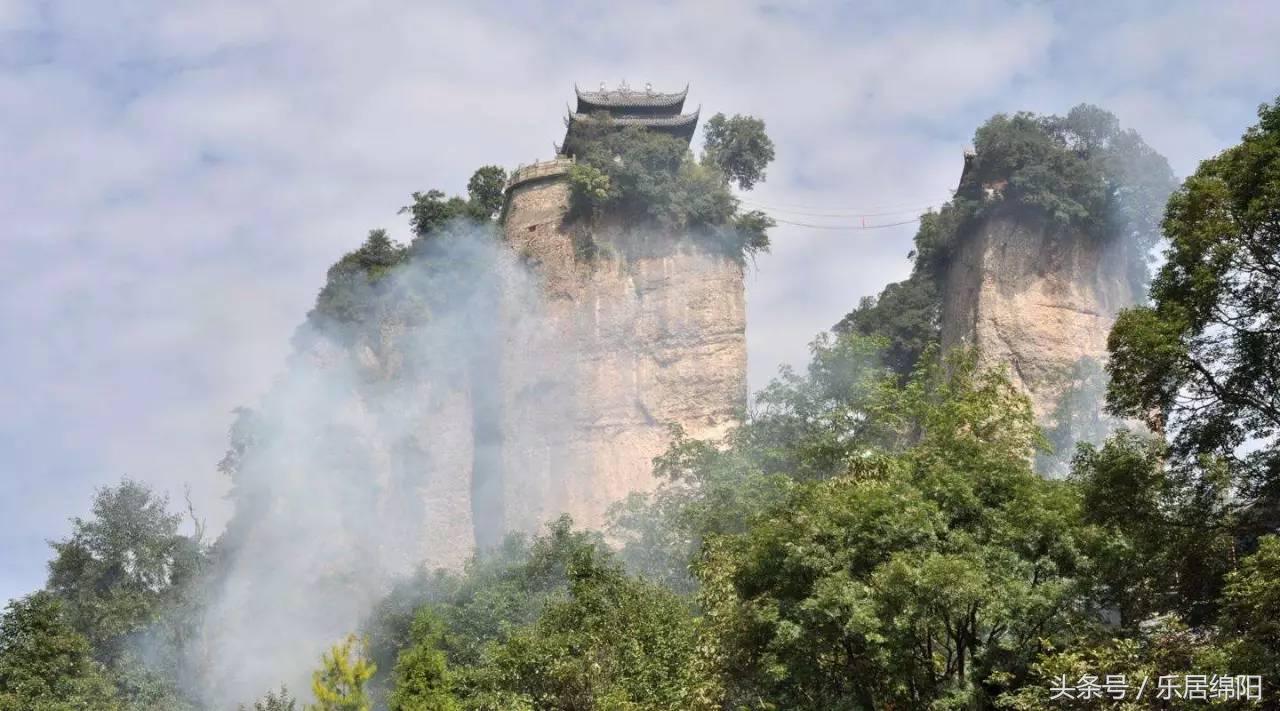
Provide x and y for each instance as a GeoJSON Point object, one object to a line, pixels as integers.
{"type": "Point", "coordinates": [378, 450]}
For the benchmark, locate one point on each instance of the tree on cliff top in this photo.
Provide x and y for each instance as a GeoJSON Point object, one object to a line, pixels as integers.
{"type": "Point", "coordinates": [1203, 361]}
{"type": "Point", "coordinates": [355, 284]}
{"type": "Point", "coordinates": [649, 180]}
{"type": "Point", "coordinates": [739, 146]}
{"type": "Point", "coordinates": [1080, 170]}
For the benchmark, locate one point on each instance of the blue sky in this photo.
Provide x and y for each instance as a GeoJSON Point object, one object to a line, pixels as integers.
{"type": "Point", "coordinates": [176, 176]}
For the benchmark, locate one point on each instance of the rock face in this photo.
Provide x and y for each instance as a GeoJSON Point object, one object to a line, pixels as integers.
{"type": "Point", "coordinates": [403, 431]}
{"type": "Point", "coordinates": [1040, 300]}
{"type": "Point", "coordinates": [642, 337]}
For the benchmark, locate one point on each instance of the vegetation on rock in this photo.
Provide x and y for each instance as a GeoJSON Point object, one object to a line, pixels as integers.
{"type": "Point", "coordinates": [357, 285]}
{"type": "Point", "coordinates": [1078, 172]}
{"type": "Point", "coordinates": [641, 181]}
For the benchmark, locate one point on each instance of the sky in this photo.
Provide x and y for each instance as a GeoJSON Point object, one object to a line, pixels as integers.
{"type": "Point", "coordinates": [175, 177]}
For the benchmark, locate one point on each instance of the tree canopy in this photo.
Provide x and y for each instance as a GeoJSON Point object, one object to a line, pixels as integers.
{"type": "Point", "coordinates": [645, 181]}
{"type": "Point", "coordinates": [1203, 360]}
{"type": "Point", "coordinates": [739, 147]}
{"type": "Point", "coordinates": [45, 664]}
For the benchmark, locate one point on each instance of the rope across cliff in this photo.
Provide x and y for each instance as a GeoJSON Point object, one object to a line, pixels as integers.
{"type": "Point", "coordinates": [866, 218]}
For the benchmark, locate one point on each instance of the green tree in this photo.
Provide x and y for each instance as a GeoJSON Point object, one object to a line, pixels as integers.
{"type": "Point", "coordinates": [1159, 541]}
{"type": "Point", "coordinates": [612, 642]}
{"type": "Point", "coordinates": [273, 701]}
{"type": "Point", "coordinates": [433, 210]}
{"type": "Point", "coordinates": [1167, 647]}
{"type": "Point", "coordinates": [1201, 361]}
{"type": "Point", "coordinates": [643, 181]}
{"type": "Point", "coordinates": [1251, 610]}
{"type": "Point", "coordinates": [811, 425]}
{"type": "Point", "coordinates": [355, 283]}
{"type": "Point", "coordinates": [739, 147]}
{"type": "Point", "coordinates": [422, 680]}
{"type": "Point", "coordinates": [906, 313]}
{"type": "Point", "coordinates": [485, 190]}
{"type": "Point", "coordinates": [45, 664]}
{"type": "Point", "coordinates": [339, 683]}
{"type": "Point", "coordinates": [119, 569]}
{"type": "Point", "coordinates": [923, 571]}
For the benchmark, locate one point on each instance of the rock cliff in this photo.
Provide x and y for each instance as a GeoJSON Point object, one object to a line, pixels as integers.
{"type": "Point", "coordinates": [647, 335]}
{"type": "Point", "coordinates": [1039, 299]}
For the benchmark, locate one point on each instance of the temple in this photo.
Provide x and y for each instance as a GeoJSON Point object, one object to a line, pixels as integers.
{"type": "Point", "coordinates": [624, 107]}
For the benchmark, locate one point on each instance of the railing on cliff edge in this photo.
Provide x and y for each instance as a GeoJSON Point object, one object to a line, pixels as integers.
{"type": "Point", "coordinates": [539, 170]}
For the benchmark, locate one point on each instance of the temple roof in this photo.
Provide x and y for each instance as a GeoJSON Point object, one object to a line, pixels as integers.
{"type": "Point", "coordinates": [623, 107]}
{"type": "Point", "coordinates": [624, 98]}
{"type": "Point", "coordinates": [678, 121]}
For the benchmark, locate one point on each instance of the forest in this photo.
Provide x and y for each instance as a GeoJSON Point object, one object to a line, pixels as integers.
{"type": "Point", "coordinates": [873, 535]}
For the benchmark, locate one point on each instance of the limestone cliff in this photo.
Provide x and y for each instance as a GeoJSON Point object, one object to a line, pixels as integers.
{"type": "Point", "coordinates": [647, 337]}
{"type": "Point", "coordinates": [1039, 299]}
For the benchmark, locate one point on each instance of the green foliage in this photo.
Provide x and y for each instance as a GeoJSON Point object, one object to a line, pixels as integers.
{"type": "Point", "coordinates": [548, 623]}
{"type": "Point", "coordinates": [611, 642]}
{"type": "Point", "coordinates": [432, 212]}
{"type": "Point", "coordinates": [1160, 541]}
{"type": "Point", "coordinates": [590, 184]}
{"type": "Point", "coordinates": [422, 681]}
{"type": "Point", "coordinates": [485, 190]}
{"type": "Point", "coordinates": [45, 664]}
{"type": "Point", "coordinates": [339, 683]}
{"type": "Point", "coordinates": [282, 701]}
{"type": "Point", "coordinates": [637, 182]}
{"type": "Point", "coordinates": [128, 580]}
{"type": "Point", "coordinates": [1251, 610]}
{"type": "Point", "coordinates": [906, 313]}
{"type": "Point", "coordinates": [937, 559]}
{"type": "Point", "coordinates": [496, 592]}
{"type": "Point", "coordinates": [355, 283]}
{"type": "Point", "coordinates": [1078, 416]}
{"type": "Point", "coordinates": [739, 147]}
{"type": "Point", "coordinates": [121, 570]}
{"type": "Point", "coordinates": [1200, 362]}
{"type": "Point", "coordinates": [357, 289]}
{"type": "Point", "coordinates": [1081, 169]}
{"type": "Point", "coordinates": [1167, 647]}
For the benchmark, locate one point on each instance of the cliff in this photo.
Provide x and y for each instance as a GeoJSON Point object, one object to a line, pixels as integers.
{"type": "Point", "coordinates": [1039, 299]}
{"type": "Point", "coordinates": [644, 336]}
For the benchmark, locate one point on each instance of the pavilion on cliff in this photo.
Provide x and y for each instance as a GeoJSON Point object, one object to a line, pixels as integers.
{"type": "Point", "coordinates": [624, 107]}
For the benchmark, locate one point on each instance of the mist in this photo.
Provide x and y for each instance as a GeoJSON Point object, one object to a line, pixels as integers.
{"type": "Point", "coordinates": [375, 452]}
